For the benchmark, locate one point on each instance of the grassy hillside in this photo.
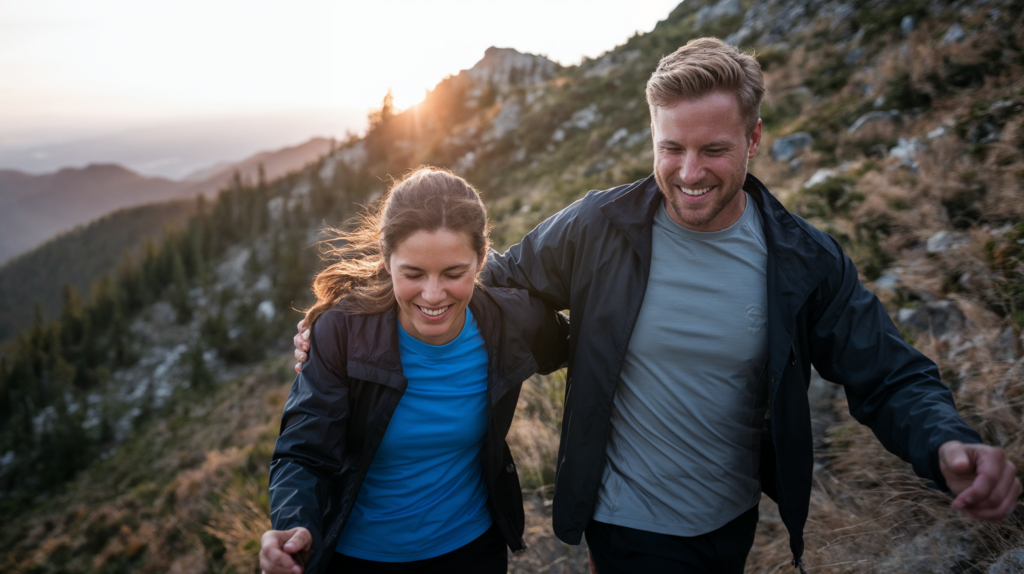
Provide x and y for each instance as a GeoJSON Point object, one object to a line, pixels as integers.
{"type": "Point", "coordinates": [897, 127]}
{"type": "Point", "coordinates": [78, 258]}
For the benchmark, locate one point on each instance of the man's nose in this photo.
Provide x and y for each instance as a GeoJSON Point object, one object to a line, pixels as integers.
{"type": "Point", "coordinates": [691, 171]}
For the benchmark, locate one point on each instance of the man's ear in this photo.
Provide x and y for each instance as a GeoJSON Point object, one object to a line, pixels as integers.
{"type": "Point", "coordinates": [755, 140]}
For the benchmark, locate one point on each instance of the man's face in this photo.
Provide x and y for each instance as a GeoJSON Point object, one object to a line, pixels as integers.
{"type": "Point", "coordinates": [701, 151]}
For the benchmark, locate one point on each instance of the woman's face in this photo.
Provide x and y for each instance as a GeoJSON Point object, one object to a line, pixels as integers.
{"type": "Point", "coordinates": [433, 276]}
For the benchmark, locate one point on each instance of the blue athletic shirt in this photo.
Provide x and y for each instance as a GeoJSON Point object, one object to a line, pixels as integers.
{"type": "Point", "coordinates": [424, 494]}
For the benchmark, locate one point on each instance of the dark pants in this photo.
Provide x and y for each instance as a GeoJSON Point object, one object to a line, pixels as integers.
{"type": "Point", "coordinates": [485, 555]}
{"type": "Point", "coordinates": [622, 550]}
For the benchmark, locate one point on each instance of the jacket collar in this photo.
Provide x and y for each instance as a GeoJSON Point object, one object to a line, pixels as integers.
{"type": "Point", "coordinates": [373, 352]}
{"type": "Point", "coordinates": [800, 255]}
{"type": "Point", "coordinates": [632, 213]}
{"type": "Point", "coordinates": [798, 260]}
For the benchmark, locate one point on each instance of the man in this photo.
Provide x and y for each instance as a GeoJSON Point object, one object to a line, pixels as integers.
{"type": "Point", "coordinates": [699, 305]}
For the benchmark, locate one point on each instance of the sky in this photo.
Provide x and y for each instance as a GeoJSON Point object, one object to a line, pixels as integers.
{"type": "Point", "coordinates": [169, 87]}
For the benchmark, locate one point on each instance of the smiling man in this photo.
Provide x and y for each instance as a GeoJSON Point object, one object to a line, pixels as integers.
{"type": "Point", "coordinates": [699, 305]}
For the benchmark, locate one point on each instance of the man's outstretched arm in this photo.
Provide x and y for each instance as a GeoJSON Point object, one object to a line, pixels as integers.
{"type": "Point", "coordinates": [897, 392]}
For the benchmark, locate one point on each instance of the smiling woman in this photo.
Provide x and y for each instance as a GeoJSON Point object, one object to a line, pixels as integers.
{"type": "Point", "coordinates": [401, 411]}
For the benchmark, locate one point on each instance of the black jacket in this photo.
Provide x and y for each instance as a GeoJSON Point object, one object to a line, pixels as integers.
{"type": "Point", "coordinates": [340, 405]}
{"type": "Point", "coordinates": [594, 259]}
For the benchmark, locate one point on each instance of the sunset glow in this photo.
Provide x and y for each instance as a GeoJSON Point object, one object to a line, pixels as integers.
{"type": "Point", "coordinates": [70, 65]}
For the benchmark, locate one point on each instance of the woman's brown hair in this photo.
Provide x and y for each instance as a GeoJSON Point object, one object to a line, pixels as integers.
{"type": "Point", "coordinates": [427, 199]}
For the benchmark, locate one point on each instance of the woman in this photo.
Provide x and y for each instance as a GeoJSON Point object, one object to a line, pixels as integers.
{"type": "Point", "coordinates": [392, 454]}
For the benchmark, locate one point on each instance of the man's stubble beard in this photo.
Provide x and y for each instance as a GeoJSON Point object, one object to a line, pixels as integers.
{"type": "Point", "coordinates": [689, 217]}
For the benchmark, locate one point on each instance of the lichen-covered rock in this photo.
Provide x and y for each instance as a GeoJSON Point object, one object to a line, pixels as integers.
{"type": "Point", "coordinates": [785, 148]}
{"type": "Point", "coordinates": [1010, 563]}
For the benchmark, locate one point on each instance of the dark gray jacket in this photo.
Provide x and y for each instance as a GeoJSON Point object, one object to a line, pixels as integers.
{"type": "Point", "coordinates": [340, 405]}
{"type": "Point", "coordinates": [594, 259]}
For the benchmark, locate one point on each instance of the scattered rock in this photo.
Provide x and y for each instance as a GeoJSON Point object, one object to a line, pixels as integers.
{"type": "Point", "coordinates": [907, 25]}
{"type": "Point", "coordinates": [785, 148]}
{"type": "Point", "coordinates": [1010, 563]}
{"type": "Point", "coordinates": [505, 122]}
{"type": "Point", "coordinates": [941, 319]}
{"type": "Point", "coordinates": [906, 151]}
{"type": "Point", "coordinates": [888, 280]}
{"type": "Point", "coordinates": [954, 35]}
{"type": "Point", "coordinates": [1005, 348]}
{"type": "Point", "coordinates": [266, 310]}
{"type": "Point", "coordinates": [820, 176]}
{"type": "Point", "coordinates": [642, 135]}
{"type": "Point", "coordinates": [275, 207]}
{"type": "Point", "coordinates": [598, 167]}
{"type": "Point", "coordinates": [583, 118]}
{"type": "Point", "coordinates": [464, 163]}
{"type": "Point", "coordinates": [353, 156]}
{"type": "Point", "coordinates": [853, 56]}
{"type": "Point", "coordinates": [872, 117]}
{"type": "Point", "coordinates": [937, 132]}
{"type": "Point", "coordinates": [619, 135]}
{"type": "Point", "coordinates": [715, 12]}
{"type": "Point", "coordinates": [943, 240]}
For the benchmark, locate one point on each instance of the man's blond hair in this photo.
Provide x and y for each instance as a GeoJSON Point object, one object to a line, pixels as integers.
{"type": "Point", "coordinates": [704, 66]}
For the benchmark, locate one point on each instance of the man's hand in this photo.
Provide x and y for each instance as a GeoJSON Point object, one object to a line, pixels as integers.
{"type": "Point", "coordinates": [984, 482]}
{"type": "Point", "coordinates": [301, 342]}
{"type": "Point", "coordinates": [285, 551]}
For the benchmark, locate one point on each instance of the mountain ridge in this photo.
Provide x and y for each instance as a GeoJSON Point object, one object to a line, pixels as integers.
{"type": "Point", "coordinates": [38, 207]}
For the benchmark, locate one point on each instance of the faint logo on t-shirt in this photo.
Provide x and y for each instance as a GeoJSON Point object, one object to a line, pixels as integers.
{"type": "Point", "coordinates": [755, 320]}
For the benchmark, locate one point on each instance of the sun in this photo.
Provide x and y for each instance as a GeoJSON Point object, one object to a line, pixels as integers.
{"type": "Point", "coordinates": [407, 95]}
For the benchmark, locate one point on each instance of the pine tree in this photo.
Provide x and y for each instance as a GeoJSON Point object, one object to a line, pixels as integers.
{"type": "Point", "coordinates": [179, 290]}
{"type": "Point", "coordinates": [200, 376]}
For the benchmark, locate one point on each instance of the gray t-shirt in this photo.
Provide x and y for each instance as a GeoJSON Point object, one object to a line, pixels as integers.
{"type": "Point", "coordinates": [684, 446]}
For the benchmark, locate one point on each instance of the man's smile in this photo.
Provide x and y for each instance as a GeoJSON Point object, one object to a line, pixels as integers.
{"type": "Point", "coordinates": [694, 192]}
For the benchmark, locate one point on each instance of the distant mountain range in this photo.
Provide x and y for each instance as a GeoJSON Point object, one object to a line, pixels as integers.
{"type": "Point", "coordinates": [34, 208]}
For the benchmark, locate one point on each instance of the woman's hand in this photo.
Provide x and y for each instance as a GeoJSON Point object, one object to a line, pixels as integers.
{"type": "Point", "coordinates": [301, 342]}
{"type": "Point", "coordinates": [285, 551]}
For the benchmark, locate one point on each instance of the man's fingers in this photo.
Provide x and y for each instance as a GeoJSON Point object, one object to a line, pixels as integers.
{"type": "Point", "coordinates": [299, 356]}
{"type": "Point", "coordinates": [298, 368]}
{"type": "Point", "coordinates": [954, 458]}
{"type": "Point", "coordinates": [978, 491]}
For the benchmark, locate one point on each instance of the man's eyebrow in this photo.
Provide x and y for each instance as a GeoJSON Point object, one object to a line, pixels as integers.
{"type": "Point", "coordinates": [716, 143]}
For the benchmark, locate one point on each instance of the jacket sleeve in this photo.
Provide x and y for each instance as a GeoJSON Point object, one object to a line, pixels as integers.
{"type": "Point", "coordinates": [313, 431]}
{"type": "Point", "coordinates": [890, 386]}
{"type": "Point", "coordinates": [547, 334]}
{"type": "Point", "coordinates": [542, 263]}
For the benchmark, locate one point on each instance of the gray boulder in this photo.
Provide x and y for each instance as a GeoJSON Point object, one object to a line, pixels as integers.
{"type": "Point", "coordinates": [715, 12]}
{"type": "Point", "coordinates": [942, 319]}
{"type": "Point", "coordinates": [907, 25]}
{"type": "Point", "coordinates": [953, 35]}
{"type": "Point", "coordinates": [785, 148]}
{"type": "Point", "coordinates": [1010, 563]}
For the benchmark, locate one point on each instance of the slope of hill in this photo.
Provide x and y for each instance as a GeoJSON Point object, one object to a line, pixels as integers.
{"type": "Point", "coordinates": [898, 128]}
{"type": "Point", "coordinates": [36, 208]}
{"type": "Point", "coordinates": [77, 258]}
{"type": "Point", "coordinates": [275, 164]}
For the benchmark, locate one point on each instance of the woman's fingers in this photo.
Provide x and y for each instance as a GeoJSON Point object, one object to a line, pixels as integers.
{"type": "Point", "coordinates": [284, 551]}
